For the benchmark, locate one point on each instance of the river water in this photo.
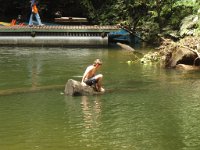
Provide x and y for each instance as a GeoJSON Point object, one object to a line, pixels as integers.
{"type": "Point", "coordinates": [145, 107]}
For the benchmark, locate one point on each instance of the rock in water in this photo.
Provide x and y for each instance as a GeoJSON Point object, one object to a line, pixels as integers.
{"type": "Point", "coordinates": [187, 67]}
{"type": "Point", "coordinates": [75, 88]}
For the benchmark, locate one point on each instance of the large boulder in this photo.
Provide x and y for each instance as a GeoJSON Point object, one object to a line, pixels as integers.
{"type": "Point", "coordinates": [185, 51]}
{"type": "Point", "coordinates": [181, 56]}
{"type": "Point", "coordinates": [75, 88]}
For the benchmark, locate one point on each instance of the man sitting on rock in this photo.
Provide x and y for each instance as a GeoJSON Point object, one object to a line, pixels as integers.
{"type": "Point", "coordinates": [89, 77]}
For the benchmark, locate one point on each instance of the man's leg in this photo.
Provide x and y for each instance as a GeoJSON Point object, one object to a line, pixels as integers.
{"type": "Point", "coordinates": [99, 78]}
{"type": "Point", "coordinates": [31, 20]}
{"type": "Point", "coordinates": [37, 16]}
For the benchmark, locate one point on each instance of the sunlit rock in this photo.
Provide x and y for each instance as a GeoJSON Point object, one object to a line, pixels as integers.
{"type": "Point", "coordinates": [75, 88]}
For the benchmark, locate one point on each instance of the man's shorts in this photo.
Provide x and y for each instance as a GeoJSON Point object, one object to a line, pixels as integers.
{"type": "Point", "coordinates": [91, 81]}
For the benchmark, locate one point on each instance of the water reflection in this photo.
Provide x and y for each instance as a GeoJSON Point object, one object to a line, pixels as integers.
{"type": "Point", "coordinates": [86, 108]}
{"type": "Point", "coordinates": [91, 112]}
{"type": "Point", "coordinates": [83, 119]}
{"type": "Point", "coordinates": [34, 65]}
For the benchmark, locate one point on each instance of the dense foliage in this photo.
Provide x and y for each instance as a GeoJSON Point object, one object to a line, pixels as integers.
{"type": "Point", "coordinates": [148, 17]}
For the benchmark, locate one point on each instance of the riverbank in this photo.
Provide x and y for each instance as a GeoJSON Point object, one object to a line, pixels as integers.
{"type": "Point", "coordinates": [171, 53]}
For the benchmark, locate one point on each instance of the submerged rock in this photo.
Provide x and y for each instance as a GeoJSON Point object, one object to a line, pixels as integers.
{"type": "Point", "coordinates": [187, 67]}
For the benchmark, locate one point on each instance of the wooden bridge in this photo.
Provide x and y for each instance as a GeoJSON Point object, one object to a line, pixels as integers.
{"type": "Point", "coordinates": [61, 35]}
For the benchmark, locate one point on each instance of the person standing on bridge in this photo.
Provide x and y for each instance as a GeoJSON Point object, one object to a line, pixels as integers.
{"type": "Point", "coordinates": [89, 78]}
{"type": "Point", "coordinates": [34, 12]}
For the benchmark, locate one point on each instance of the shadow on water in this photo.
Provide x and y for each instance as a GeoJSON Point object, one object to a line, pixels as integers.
{"type": "Point", "coordinates": [29, 90]}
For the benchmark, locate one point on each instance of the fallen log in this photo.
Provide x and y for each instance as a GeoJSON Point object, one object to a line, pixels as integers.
{"type": "Point", "coordinates": [126, 47]}
{"type": "Point", "coordinates": [29, 89]}
{"type": "Point", "coordinates": [75, 88]}
{"type": "Point", "coordinates": [137, 55]}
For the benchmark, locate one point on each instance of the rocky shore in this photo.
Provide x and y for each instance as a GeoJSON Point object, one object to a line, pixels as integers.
{"type": "Point", "coordinates": [182, 54]}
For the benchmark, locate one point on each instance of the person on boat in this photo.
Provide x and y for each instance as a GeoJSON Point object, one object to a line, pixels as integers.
{"type": "Point", "coordinates": [89, 78]}
{"type": "Point", "coordinates": [34, 12]}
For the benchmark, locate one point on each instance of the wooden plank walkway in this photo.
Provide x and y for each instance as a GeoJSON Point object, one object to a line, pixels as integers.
{"type": "Point", "coordinates": [60, 28]}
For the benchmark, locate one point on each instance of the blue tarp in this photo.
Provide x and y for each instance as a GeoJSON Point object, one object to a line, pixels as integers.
{"type": "Point", "coordinates": [120, 36]}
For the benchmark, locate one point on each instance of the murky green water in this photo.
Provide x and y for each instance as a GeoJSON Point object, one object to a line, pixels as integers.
{"type": "Point", "coordinates": [145, 108]}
